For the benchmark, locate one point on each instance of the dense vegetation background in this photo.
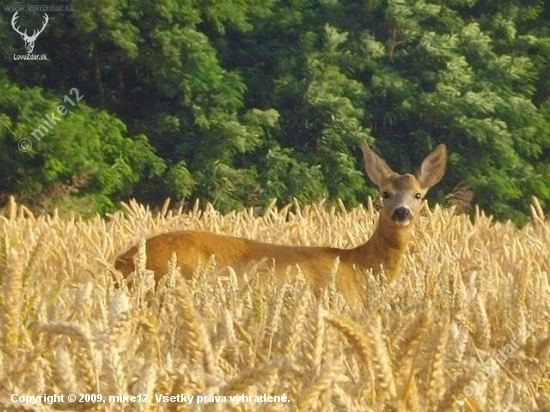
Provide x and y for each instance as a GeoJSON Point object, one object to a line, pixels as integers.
{"type": "Point", "coordinates": [240, 101]}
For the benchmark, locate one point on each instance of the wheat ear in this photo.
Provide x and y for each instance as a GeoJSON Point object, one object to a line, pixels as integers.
{"type": "Point", "coordinates": [196, 338]}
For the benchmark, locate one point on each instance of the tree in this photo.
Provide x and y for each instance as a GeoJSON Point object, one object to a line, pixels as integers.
{"type": "Point", "coordinates": [245, 101]}
{"type": "Point", "coordinates": [69, 154]}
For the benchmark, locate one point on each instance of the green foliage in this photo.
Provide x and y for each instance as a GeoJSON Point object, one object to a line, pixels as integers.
{"type": "Point", "coordinates": [239, 102]}
{"type": "Point", "coordinates": [83, 154]}
{"type": "Point", "coordinates": [285, 178]}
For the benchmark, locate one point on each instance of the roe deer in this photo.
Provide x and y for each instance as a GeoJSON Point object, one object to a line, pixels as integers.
{"type": "Point", "coordinates": [401, 202]}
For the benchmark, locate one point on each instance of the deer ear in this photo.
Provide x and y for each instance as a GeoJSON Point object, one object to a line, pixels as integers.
{"type": "Point", "coordinates": [376, 168]}
{"type": "Point", "coordinates": [432, 168]}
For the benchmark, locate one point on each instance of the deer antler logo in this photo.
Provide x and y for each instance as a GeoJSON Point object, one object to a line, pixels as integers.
{"type": "Point", "coordinates": [29, 40]}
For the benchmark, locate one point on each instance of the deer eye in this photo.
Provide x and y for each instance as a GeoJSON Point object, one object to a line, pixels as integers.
{"type": "Point", "coordinates": [385, 195]}
{"type": "Point", "coordinates": [418, 196]}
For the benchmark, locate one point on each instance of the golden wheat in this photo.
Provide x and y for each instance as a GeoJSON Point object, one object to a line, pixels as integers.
{"type": "Point", "coordinates": [469, 292]}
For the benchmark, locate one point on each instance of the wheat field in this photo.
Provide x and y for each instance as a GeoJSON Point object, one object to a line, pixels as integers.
{"type": "Point", "coordinates": [464, 328]}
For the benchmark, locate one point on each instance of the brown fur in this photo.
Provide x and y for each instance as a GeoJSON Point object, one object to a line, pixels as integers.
{"type": "Point", "coordinates": [384, 249]}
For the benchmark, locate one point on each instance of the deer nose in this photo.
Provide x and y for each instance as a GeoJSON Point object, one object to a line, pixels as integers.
{"type": "Point", "coordinates": [401, 214]}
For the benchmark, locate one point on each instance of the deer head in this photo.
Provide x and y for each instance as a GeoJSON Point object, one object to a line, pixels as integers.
{"type": "Point", "coordinates": [29, 40]}
{"type": "Point", "coordinates": [402, 194]}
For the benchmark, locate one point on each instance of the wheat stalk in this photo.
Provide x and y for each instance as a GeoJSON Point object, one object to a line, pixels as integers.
{"type": "Point", "coordinates": [196, 337]}
{"type": "Point", "coordinates": [466, 290]}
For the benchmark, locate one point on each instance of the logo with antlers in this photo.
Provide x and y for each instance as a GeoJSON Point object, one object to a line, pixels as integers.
{"type": "Point", "coordinates": [29, 40]}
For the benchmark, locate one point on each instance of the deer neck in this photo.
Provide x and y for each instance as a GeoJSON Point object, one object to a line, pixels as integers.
{"type": "Point", "coordinates": [391, 236]}
{"type": "Point", "coordinates": [384, 249]}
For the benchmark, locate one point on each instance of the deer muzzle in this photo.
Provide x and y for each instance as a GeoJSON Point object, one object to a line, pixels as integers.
{"type": "Point", "coordinates": [402, 216]}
